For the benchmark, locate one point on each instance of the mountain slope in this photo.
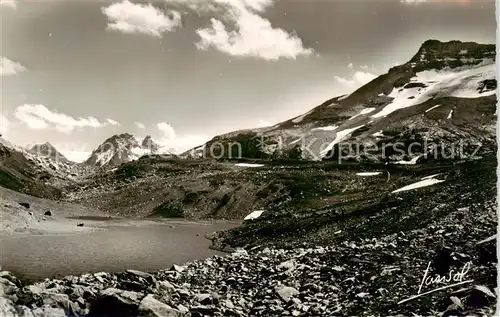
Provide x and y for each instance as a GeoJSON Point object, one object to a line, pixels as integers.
{"type": "Point", "coordinates": [445, 94]}
{"type": "Point", "coordinates": [20, 173]}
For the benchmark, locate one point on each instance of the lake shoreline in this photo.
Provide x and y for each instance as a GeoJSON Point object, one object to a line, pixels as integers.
{"type": "Point", "coordinates": [107, 245]}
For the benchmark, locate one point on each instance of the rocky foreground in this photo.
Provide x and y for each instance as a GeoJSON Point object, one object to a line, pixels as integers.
{"type": "Point", "coordinates": [363, 277]}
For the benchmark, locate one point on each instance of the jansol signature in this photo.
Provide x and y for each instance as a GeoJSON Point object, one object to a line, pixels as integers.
{"type": "Point", "coordinates": [456, 276]}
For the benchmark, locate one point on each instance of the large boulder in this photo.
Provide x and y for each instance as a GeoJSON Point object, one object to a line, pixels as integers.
{"type": "Point", "coordinates": [150, 307]}
{"type": "Point", "coordinates": [116, 303]}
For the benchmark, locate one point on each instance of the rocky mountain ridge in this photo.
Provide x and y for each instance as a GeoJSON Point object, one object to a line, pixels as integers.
{"type": "Point", "coordinates": [444, 94]}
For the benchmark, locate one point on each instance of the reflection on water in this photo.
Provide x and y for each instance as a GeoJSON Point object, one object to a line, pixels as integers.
{"type": "Point", "coordinates": [147, 248]}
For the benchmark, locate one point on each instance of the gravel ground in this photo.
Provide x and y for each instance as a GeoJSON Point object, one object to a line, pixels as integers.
{"type": "Point", "coordinates": [24, 214]}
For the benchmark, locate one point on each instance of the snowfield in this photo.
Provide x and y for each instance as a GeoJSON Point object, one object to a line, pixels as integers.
{"type": "Point", "coordinates": [462, 83]}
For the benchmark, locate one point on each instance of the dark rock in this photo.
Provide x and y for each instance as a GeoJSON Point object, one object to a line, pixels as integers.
{"type": "Point", "coordinates": [115, 303]}
{"type": "Point", "coordinates": [203, 310]}
{"type": "Point", "coordinates": [25, 205]}
{"type": "Point", "coordinates": [205, 299]}
{"type": "Point", "coordinates": [133, 286]}
{"type": "Point", "coordinates": [80, 225]}
{"type": "Point", "coordinates": [139, 273]}
{"type": "Point", "coordinates": [48, 213]}
{"type": "Point", "coordinates": [443, 261]}
{"type": "Point", "coordinates": [477, 299]}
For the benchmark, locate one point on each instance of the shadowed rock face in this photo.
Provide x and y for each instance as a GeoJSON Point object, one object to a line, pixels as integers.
{"type": "Point", "coordinates": [148, 143]}
{"type": "Point", "coordinates": [434, 54]}
{"type": "Point", "coordinates": [412, 89]}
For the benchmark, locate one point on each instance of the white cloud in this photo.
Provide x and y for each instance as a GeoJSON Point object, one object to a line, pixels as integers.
{"type": "Point", "coordinates": [39, 117]}
{"type": "Point", "coordinates": [140, 125]}
{"type": "Point", "coordinates": [8, 4]}
{"type": "Point", "coordinates": [350, 65]}
{"type": "Point", "coordinates": [255, 5]}
{"type": "Point", "coordinates": [167, 130]}
{"type": "Point", "coordinates": [76, 156]}
{"type": "Point", "coordinates": [112, 122]}
{"type": "Point", "coordinates": [170, 141]}
{"type": "Point", "coordinates": [358, 79]}
{"type": "Point", "coordinates": [186, 142]}
{"type": "Point", "coordinates": [364, 66]}
{"type": "Point", "coordinates": [413, 1]}
{"type": "Point", "coordinates": [4, 124]}
{"type": "Point", "coordinates": [263, 124]}
{"type": "Point", "coordinates": [207, 6]}
{"type": "Point", "coordinates": [8, 67]}
{"type": "Point", "coordinates": [76, 152]}
{"type": "Point", "coordinates": [129, 17]}
{"type": "Point", "coordinates": [252, 34]}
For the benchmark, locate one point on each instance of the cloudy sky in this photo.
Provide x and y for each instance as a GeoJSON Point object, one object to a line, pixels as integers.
{"type": "Point", "coordinates": [76, 72]}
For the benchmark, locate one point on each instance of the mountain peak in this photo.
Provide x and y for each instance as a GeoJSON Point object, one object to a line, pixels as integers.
{"type": "Point", "coordinates": [149, 144]}
{"type": "Point", "coordinates": [434, 54]}
{"type": "Point", "coordinates": [121, 148]}
{"type": "Point", "coordinates": [48, 150]}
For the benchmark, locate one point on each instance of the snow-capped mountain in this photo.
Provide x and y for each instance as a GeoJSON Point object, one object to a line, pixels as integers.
{"type": "Point", "coordinates": [29, 172]}
{"type": "Point", "coordinates": [445, 93]}
{"type": "Point", "coordinates": [121, 148]}
{"type": "Point", "coordinates": [45, 157]}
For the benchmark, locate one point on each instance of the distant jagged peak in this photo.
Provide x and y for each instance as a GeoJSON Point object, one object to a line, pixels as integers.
{"type": "Point", "coordinates": [149, 144]}
{"type": "Point", "coordinates": [122, 148]}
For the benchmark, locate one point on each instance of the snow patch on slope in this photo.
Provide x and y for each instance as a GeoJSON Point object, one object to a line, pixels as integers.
{"type": "Point", "coordinates": [413, 161]}
{"type": "Point", "coordinates": [364, 111]}
{"type": "Point", "coordinates": [368, 173]}
{"type": "Point", "coordinates": [450, 115]}
{"type": "Point", "coordinates": [254, 215]}
{"type": "Point", "coordinates": [423, 183]}
{"type": "Point", "coordinates": [327, 128]}
{"type": "Point", "coordinates": [248, 165]}
{"type": "Point", "coordinates": [339, 137]}
{"type": "Point", "coordinates": [343, 97]}
{"type": "Point", "coordinates": [432, 108]}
